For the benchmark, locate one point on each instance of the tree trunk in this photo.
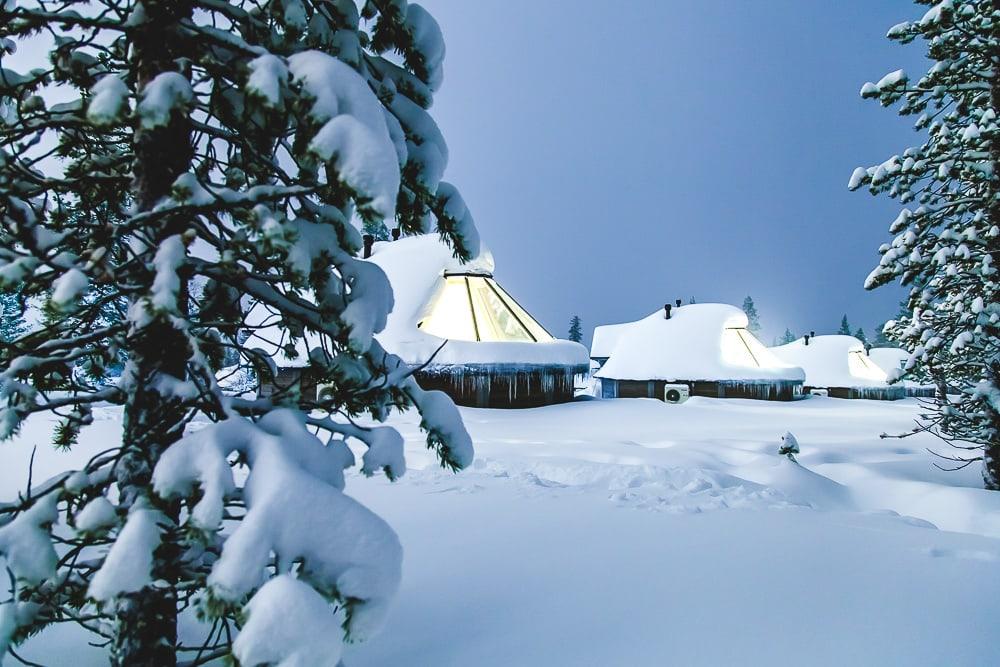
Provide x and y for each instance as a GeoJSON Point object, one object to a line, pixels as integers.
{"type": "Point", "coordinates": [146, 631]}
{"type": "Point", "coordinates": [991, 450]}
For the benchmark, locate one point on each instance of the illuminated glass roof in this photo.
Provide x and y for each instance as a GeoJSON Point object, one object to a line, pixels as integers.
{"type": "Point", "coordinates": [474, 307]}
{"type": "Point", "coordinates": [860, 365]}
{"type": "Point", "coordinates": [741, 348]}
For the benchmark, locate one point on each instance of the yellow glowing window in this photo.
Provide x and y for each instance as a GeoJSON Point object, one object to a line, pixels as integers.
{"type": "Point", "coordinates": [859, 365]}
{"type": "Point", "coordinates": [741, 348]}
{"type": "Point", "coordinates": [474, 307]}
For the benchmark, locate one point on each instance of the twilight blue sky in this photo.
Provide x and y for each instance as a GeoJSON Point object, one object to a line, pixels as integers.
{"type": "Point", "coordinates": [619, 155]}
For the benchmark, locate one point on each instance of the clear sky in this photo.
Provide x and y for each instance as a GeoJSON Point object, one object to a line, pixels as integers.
{"type": "Point", "coordinates": [620, 155]}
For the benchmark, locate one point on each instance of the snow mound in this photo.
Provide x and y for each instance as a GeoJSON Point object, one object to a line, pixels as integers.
{"type": "Point", "coordinates": [289, 624]}
{"type": "Point", "coordinates": [833, 361]}
{"type": "Point", "coordinates": [702, 341]}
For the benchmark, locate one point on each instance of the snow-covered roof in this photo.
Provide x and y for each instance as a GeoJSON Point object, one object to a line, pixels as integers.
{"type": "Point", "coordinates": [416, 267]}
{"type": "Point", "coordinates": [833, 361]}
{"type": "Point", "coordinates": [605, 338]}
{"type": "Point", "coordinates": [701, 341]}
{"type": "Point", "coordinates": [889, 358]}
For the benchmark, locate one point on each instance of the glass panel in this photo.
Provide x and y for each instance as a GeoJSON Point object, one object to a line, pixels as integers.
{"type": "Point", "coordinates": [859, 365]}
{"type": "Point", "coordinates": [450, 315]}
{"type": "Point", "coordinates": [741, 348]}
{"type": "Point", "coordinates": [763, 356]}
{"type": "Point", "coordinates": [536, 329]}
{"type": "Point", "coordinates": [494, 318]}
{"type": "Point", "coordinates": [734, 349]}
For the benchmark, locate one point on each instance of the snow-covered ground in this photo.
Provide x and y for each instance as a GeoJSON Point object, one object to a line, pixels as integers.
{"type": "Point", "coordinates": [632, 532]}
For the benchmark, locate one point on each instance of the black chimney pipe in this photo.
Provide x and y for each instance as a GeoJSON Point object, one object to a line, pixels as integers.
{"type": "Point", "coordinates": [678, 302]}
{"type": "Point", "coordinates": [666, 311]}
{"type": "Point", "coordinates": [812, 333]}
{"type": "Point", "coordinates": [395, 233]}
{"type": "Point", "coordinates": [368, 240]}
{"type": "Point", "coordinates": [807, 339]}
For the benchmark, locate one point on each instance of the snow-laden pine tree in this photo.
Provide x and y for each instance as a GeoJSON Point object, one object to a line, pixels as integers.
{"type": "Point", "coordinates": [575, 329]}
{"type": "Point", "coordinates": [753, 318]}
{"type": "Point", "coordinates": [859, 333]}
{"type": "Point", "coordinates": [845, 327]}
{"type": "Point", "coordinates": [947, 236]}
{"type": "Point", "coordinates": [787, 337]}
{"type": "Point", "coordinates": [205, 165]}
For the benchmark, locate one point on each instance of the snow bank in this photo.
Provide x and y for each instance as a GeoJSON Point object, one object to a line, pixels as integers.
{"type": "Point", "coordinates": [673, 516]}
{"type": "Point", "coordinates": [702, 341]}
{"type": "Point", "coordinates": [833, 361]}
{"type": "Point", "coordinates": [415, 267]}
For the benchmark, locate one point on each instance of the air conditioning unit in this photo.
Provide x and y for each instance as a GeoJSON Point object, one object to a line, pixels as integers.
{"type": "Point", "coordinates": [676, 393]}
{"type": "Point", "coordinates": [819, 392]}
{"type": "Point", "coordinates": [323, 391]}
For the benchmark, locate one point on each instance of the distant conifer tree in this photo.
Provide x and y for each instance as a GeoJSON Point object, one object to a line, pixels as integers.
{"type": "Point", "coordinates": [881, 340]}
{"type": "Point", "coordinates": [575, 330]}
{"type": "Point", "coordinates": [753, 319]}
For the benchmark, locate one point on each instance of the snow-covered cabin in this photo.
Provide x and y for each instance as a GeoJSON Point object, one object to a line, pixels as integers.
{"type": "Point", "coordinates": [840, 365]}
{"type": "Point", "coordinates": [465, 335]}
{"type": "Point", "coordinates": [705, 346]}
{"type": "Point", "coordinates": [893, 360]}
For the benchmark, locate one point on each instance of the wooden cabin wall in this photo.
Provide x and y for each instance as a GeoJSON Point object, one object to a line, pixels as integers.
{"type": "Point", "coordinates": [890, 393]}
{"type": "Point", "coordinates": [779, 390]}
{"type": "Point", "coordinates": [502, 385]}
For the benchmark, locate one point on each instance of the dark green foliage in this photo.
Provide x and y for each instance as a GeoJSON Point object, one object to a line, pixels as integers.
{"type": "Point", "coordinates": [753, 318]}
{"type": "Point", "coordinates": [12, 324]}
{"type": "Point", "coordinates": [575, 330]}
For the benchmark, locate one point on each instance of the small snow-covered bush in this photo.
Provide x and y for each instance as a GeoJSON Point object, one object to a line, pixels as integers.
{"type": "Point", "coordinates": [201, 182]}
{"type": "Point", "coordinates": [789, 446]}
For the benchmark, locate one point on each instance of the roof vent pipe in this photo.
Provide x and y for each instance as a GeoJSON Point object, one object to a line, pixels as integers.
{"type": "Point", "coordinates": [666, 311]}
{"type": "Point", "coordinates": [812, 334]}
{"type": "Point", "coordinates": [868, 349]}
{"type": "Point", "coordinates": [368, 240]}
{"type": "Point", "coordinates": [678, 302]}
{"type": "Point", "coordinates": [395, 233]}
{"type": "Point", "coordinates": [806, 339]}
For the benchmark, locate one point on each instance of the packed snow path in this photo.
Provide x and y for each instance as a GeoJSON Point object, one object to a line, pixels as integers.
{"type": "Point", "coordinates": [632, 532]}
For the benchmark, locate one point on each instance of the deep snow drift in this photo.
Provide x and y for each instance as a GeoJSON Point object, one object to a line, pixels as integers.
{"type": "Point", "coordinates": [631, 532]}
